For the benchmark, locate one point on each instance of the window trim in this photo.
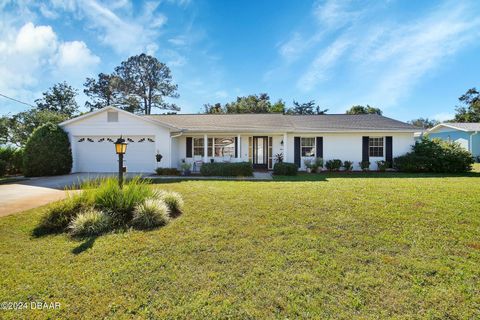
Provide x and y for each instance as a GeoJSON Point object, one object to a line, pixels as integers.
{"type": "Point", "coordinates": [313, 147]}
{"type": "Point", "coordinates": [371, 147]}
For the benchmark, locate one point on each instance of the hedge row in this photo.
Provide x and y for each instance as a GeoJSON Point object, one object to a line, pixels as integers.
{"type": "Point", "coordinates": [285, 169]}
{"type": "Point", "coordinates": [230, 169]}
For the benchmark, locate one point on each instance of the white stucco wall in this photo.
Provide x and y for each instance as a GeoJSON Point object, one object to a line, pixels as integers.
{"type": "Point", "coordinates": [127, 125]}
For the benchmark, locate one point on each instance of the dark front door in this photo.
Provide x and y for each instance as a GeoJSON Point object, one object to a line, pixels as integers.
{"type": "Point", "coordinates": [260, 152]}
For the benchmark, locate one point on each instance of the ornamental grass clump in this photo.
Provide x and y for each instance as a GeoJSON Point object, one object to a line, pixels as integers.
{"type": "Point", "coordinates": [90, 223]}
{"type": "Point", "coordinates": [173, 200]}
{"type": "Point", "coordinates": [150, 214]}
{"type": "Point", "coordinates": [101, 206]}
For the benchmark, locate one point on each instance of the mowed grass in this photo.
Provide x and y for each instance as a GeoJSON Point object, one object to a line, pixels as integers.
{"type": "Point", "coordinates": [343, 247]}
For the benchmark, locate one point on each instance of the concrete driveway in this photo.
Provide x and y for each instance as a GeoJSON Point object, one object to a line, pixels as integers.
{"type": "Point", "coordinates": [34, 192]}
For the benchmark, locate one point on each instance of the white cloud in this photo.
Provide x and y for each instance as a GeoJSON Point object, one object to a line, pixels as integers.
{"type": "Point", "coordinates": [318, 70]}
{"type": "Point", "coordinates": [32, 53]}
{"type": "Point", "coordinates": [75, 54]}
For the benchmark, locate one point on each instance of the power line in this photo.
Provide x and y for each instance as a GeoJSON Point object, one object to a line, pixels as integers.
{"type": "Point", "coordinates": [25, 103]}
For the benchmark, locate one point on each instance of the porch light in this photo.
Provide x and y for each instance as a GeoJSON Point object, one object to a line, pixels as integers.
{"type": "Point", "coordinates": [281, 142]}
{"type": "Point", "coordinates": [120, 146]}
{"type": "Point", "coordinates": [120, 149]}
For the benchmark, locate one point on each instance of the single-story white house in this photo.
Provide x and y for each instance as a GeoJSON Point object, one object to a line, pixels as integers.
{"type": "Point", "coordinates": [258, 138]}
{"type": "Point", "coordinates": [465, 133]}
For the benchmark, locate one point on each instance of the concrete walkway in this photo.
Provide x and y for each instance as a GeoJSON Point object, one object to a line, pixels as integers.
{"type": "Point", "coordinates": [257, 176]}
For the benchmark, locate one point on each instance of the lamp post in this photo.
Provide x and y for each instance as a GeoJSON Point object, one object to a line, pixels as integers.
{"type": "Point", "coordinates": [120, 149]}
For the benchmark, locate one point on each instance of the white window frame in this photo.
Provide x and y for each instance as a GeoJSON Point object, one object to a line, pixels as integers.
{"type": "Point", "coordinates": [231, 153]}
{"type": "Point", "coordinates": [313, 146]}
{"type": "Point", "coordinates": [375, 146]}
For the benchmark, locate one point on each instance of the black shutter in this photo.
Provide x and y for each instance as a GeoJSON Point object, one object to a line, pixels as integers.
{"type": "Point", "coordinates": [389, 151]}
{"type": "Point", "coordinates": [236, 147]}
{"type": "Point", "coordinates": [319, 147]}
{"type": "Point", "coordinates": [365, 156]}
{"type": "Point", "coordinates": [189, 147]}
{"type": "Point", "coordinates": [296, 145]}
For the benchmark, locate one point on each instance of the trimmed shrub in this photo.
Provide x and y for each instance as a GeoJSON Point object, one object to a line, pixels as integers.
{"type": "Point", "coordinates": [435, 155]}
{"type": "Point", "coordinates": [47, 152]}
{"type": "Point", "coordinates": [382, 165]}
{"type": "Point", "coordinates": [90, 223]}
{"type": "Point", "coordinates": [227, 169]}
{"type": "Point", "coordinates": [333, 165]}
{"type": "Point", "coordinates": [348, 165]}
{"type": "Point", "coordinates": [151, 213]}
{"type": "Point", "coordinates": [173, 200]}
{"type": "Point", "coordinates": [3, 168]}
{"type": "Point", "coordinates": [167, 171]}
{"type": "Point", "coordinates": [13, 159]}
{"type": "Point", "coordinates": [285, 169]}
{"type": "Point", "coordinates": [364, 165]}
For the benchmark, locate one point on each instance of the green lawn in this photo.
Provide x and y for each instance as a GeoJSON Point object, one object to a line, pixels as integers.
{"type": "Point", "coordinates": [369, 247]}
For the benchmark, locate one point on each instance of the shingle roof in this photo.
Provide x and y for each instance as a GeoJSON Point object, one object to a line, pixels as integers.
{"type": "Point", "coordinates": [278, 122]}
{"type": "Point", "coordinates": [465, 126]}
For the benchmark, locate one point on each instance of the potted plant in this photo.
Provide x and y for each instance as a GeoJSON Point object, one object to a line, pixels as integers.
{"type": "Point", "coordinates": [279, 158]}
{"type": "Point", "coordinates": [158, 157]}
{"type": "Point", "coordinates": [308, 165]}
{"type": "Point", "coordinates": [318, 164]}
{"type": "Point", "coordinates": [185, 167]}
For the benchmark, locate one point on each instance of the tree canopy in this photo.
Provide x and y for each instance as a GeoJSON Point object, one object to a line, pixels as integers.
{"type": "Point", "coordinates": [144, 83]}
{"type": "Point", "coordinates": [104, 91]}
{"type": "Point", "coordinates": [424, 123]}
{"type": "Point", "coordinates": [60, 98]}
{"type": "Point", "coordinates": [364, 110]}
{"type": "Point", "coordinates": [261, 104]}
{"type": "Point", "coordinates": [469, 111]}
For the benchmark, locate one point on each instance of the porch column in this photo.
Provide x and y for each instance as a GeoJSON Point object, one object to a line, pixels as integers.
{"type": "Point", "coordinates": [205, 148]}
{"type": "Point", "coordinates": [239, 147]}
{"type": "Point", "coordinates": [285, 147]}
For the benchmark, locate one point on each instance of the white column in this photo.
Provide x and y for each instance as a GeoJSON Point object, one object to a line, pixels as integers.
{"type": "Point", "coordinates": [285, 147]}
{"type": "Point", "coordinates": [239, 148]}
{"type": "Point", "coordinates": [205, 148]}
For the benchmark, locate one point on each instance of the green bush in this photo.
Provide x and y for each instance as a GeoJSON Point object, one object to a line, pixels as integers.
{"type": "Point", "coordinates": [119, 203]}
{"type": "Point", "coordinates": [151, 213]}
{"type": "Point", "coordinates": [167, 171]}
{"type": "Point", "coordinates": [13, 159]}
{"type": "Point", "coordinates": [382, 165]}
{"type": "Point", "coordinates": [90, 223]}
{"type": "Point", "coordinates": [364, 165]}
{"type": "Point", "coordinates": [435, 155]}
{"type": "Point", "coordinates": [227, 169]}
{"type": "Point", "coordinates": [3, 168]}
{"type": "Point", "coordinates": [173, 200]}
{"type": "Point", "coordinates": [333, 165]}
{"type": "Point", "coordinates": [47, 152]}
{"type": "Point", "coordinates": [61, 213]}
{"type": "Point", "coordinates": [348, 165]}
{"type": "Point", "coordinates": [285, 169]}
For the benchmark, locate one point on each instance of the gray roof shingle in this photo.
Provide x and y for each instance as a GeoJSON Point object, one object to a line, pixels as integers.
{"type": "Point", "coordinates": [275, 122]}
{"type": "Point", "coordinates": [468, 126]}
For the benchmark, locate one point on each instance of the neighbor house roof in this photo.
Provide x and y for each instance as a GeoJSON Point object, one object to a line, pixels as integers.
{"type": "Point", "coordinates": [279, 122]}
{"type": "Point", "coordinates": [462, 126]}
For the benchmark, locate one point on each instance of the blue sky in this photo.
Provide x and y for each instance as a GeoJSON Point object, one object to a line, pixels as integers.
{"type": "Point", "coordinates": [410, 58]}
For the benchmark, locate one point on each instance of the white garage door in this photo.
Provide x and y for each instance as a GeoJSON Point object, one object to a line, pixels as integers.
{"type": "Point", "coordinates": [97, 154]}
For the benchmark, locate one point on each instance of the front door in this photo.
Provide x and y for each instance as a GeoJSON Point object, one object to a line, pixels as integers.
{"type": "Point", "coordinates": [260, 152]}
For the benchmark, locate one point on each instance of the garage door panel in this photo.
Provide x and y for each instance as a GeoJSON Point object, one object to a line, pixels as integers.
{"type": "Point", "coordinates": [97, 154]}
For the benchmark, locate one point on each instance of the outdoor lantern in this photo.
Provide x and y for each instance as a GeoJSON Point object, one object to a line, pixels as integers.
{"type": "Point", "coordinates": [120, 149]}
{"type": "Point", "coordinates": [120, 146]}
{"type": "Point", "coordinates": [281, 142]}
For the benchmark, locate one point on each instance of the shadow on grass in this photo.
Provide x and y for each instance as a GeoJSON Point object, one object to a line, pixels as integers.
{"type": "Point", "coordinates": [85, 245]}
{"type": "Point", "coordinates": [42, 231]}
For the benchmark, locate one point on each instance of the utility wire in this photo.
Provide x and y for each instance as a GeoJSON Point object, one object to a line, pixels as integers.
{"type": "Point", "coordinates": [25, 103]}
